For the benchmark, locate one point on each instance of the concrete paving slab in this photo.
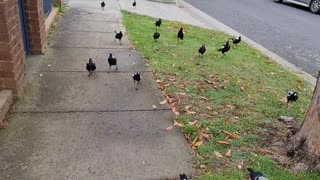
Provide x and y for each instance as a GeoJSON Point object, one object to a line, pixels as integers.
{"type": "Point", "coordinates": [94, 4]}
{"type": "Point", "coordinates": [75, 91]}
{"type": "Point", "coordinates": [74, 59]}
{"type": "Point", "coordinates": [85, 15]}
{"type": "Point", "coordinates": [92, 26]}
{"type": "Point", "coordinates": [88, 40]}
{"type": "Point", "coordinates": [126, 145]}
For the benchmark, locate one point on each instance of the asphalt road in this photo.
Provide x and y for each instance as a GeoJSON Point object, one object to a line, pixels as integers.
{"type": "Point", "coordinates": [288, 30]}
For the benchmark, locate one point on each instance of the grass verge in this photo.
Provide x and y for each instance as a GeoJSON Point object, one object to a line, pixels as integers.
{"type": "Point", "coordinates": [225, 103]}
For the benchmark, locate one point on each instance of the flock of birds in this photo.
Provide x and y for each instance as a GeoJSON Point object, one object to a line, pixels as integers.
{"type": "Point", "coordinates": [91, 67]}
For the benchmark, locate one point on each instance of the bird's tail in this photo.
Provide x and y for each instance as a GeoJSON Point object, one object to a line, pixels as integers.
{"type": "Point", "coordinates": [250, 170]}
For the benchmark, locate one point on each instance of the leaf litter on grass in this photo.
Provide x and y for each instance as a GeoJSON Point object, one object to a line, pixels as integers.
{"type": "Point", "coordinates": [237, 93]}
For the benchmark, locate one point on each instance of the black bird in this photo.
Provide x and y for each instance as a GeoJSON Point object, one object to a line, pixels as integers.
{"type": "Point", "coordinates": [156, 36]}
{"type": "Point", "coordinates": [256, 175]}
{"type": "Point", "coordinates": [118, 36]}
{"type": "Point", "coordinates": [202, 50]}
{"type": "Point", "coordinates": [91, 66]}
{"type": "Point", "coordinates": [183, 177]}
{"type": "Point", "coordinates": [134, 3]}
{"type": "Point", "coordinates": [292, 96]}
{"type": "Point", "coordinates": [158, 23]}
{"type": "Point", "coordinates": [103, 5]}
{"type": "Point", "coordinates": [112, 62]}
{"type": "Point", "coordinates": [236, 41]}
{"type": "Point", "coordinates": [225, 48]}
{"type": "Point", "coordinates": [136, 77]}
{"type": "Point", "coordinates": [180, 34]}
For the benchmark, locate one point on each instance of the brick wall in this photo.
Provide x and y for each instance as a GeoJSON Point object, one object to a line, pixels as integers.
{"type": "Point", "coordinates": [35, 21]}
{"type": "Point", "coordinates": [12, 59]}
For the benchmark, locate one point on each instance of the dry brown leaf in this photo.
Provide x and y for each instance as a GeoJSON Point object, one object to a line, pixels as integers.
{"type": "Point", "coordinates": [193, 122]}
{"type": "Point", "coordinates": [169, 128]}
{"type": "Point", "coordinates": [239, 166]}
{"type": "Point", "coordinates": [284, 100]}
{"type": "Point", "coordinates": [222, 142]}
{"type": "Point", "coordinates": [227, 122]}
{"type": "Point", "coordinates": [182, 94]}
{"type": "Point", "coordinates": [269, 63]}
{"type": "Point", "coordinates": [197, 144]}
{"type": "Point", "coordinates": [178, 124]}
{"type": "Point", "coordinates": [205, 115]}
{"type": "Point", "coordinates": [192, 112]}
{"type": "Point", "coordinates": [289, 107]}
{"type": "Point", "coordinates": [233, 136]}
{"type": "Point", "coordinates": [205, 136]}
{"type": "Point", "coordinates": [181, 86]}
{"type": "Point", "coordinates": [226, 132]}
{"type": "Point", "coordinates": [209, 107]}
{"type": "Point", "coordinates": [202, 89]}
{"type": "Point", "coordinates": [187, 107]}
{"type": "Point", "coordinates": [205, 98]}
{"type": "Point", "coordinates": [215, 113]}
{"type": "Point", "coordinates": [209, 82]}
{"type": "Point", "coordinates": [228, 153]}
{"type": "Point", "coordinates": [299, 81]}
{"type": "Point", "coordinates": [263, 151]}
{"type": "Point", "coordinates": [242, 88]}
{"type": "Point", "coordinates": [172, 79]}
{"type": "Point", "coordinates": [173, 65]}
{"type": "Point", "coordinates": [163, 102]}
{"type": "Point", "coordinates": [218, 154]}
{"type": "Point", "coordinates": [230, 106]}
{"type": "Point", "coordinates": [159, 81]}
{"type": "Point", "coordinates": [175, 112]}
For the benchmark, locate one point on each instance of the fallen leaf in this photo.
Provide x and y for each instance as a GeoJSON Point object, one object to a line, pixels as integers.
{"type": "Point", "coordinates": [205, 98]}
{"type": "Point", "coordinates": [222, 142]}
{"type": "Point", "coordinates": [154, 106]}
{"type": "Point", "coordinates": [226, 132]}
{"type": "Point", "coordinates": [299, 81]}
{"type": "Point", "coordinates": [187, 107]}
{"type": "Point", "coordinates": [218, 154]}
{"type": "Point", "coordinates": [289, 107]}
{"type": "Point", "coordinates": [163, 102]}
{"type": "Point", "coordinates": [228, 153]}
{"type": "Point", "coordinates": [172, 79]}
{"type": "Point", "coordinates": [205, 115]}
{"type": "Point", "coordinates": [192, 112]}
{"type": "Point", "coordinates": [197, 144]}
{"type": "Point", "coordinates": [159, 81]}
{"type": "Point", "coordinates": [230, 106]}
{"type": "Point", "coordinates": [209, 107]}
{"type": "Point", "coordinates": [182, 94]}
{"type": "Point", "coordinates": [263, 151]}
{"type": "Point", "coordinates": [233, 136]}
{"type": "Point", "coordinates": [239, 166]}
{"type": "Point", "coordinates": [169, 128]}
{"type": "Point", "coordinates": [202, 89]}
{"type": "Point", "coordinates": [242, 88]}
{"type": "Point", "coordinates": [193, 122]}
{"type": "Point", "coordinates": [269, 63]}
{"type": "Point", "coordinates": [227, 122]}
{"type": "Point", "coordinates": [215, 113]}
{"type": "Point", "coordinates": [178, 124]}
{"type": "Point", "coordinates": [209, 82]}
{"type": "Point", "coordinates": [173, 65]}
{"type": "Point", "coordinates": [284, 100]}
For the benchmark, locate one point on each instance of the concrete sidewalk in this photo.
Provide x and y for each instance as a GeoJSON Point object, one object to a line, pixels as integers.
{"type": "Point", "coordinates": [186, 13]}
{"type": "Point", "coordinates": [70, 126]}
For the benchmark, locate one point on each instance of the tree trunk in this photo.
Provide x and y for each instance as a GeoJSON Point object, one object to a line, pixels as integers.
{"type": "Point", "coordinates": [309, 134]}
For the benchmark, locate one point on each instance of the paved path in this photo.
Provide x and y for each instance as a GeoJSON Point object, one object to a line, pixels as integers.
{"type": "Point", "coordinates": [70, 126]}
{"type": "Point", "coordinates": [289, 31]}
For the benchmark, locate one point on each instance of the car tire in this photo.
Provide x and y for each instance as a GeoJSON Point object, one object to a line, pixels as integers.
{"type": "Point", "coordinates": [315, 6]}
{"type": "Point", "coordinates": [278, 1]}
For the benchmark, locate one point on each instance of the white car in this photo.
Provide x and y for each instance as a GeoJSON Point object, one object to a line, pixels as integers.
{"type": "Point", "coordinates": [313, 5]}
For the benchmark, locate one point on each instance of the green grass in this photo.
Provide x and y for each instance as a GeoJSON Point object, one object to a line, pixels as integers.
{"type": "Point", "coordinates": [245, 95]}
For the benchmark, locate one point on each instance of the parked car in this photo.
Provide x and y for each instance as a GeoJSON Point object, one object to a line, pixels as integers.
{"type": "Point", "coordinates": [313, 5]}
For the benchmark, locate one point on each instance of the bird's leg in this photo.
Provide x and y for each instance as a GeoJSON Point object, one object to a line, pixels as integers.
{"type": "Point", "coordinates": [120, 42]}
{"type": "Point", "coordinates": [109, 69]}
{"type": "Point", "coordinates": [89, 74]}
{"type": "Point", "coordinates": [114, 40]}
{"type": "Point", "coordinates": [117, 68]}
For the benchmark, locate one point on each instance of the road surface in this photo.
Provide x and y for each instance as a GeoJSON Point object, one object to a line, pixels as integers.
{"type": "Point", "coordinates": [288, 30]}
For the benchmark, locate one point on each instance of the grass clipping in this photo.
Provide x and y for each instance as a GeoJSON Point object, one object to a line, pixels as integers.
{"type": "Point", "coordinates": [223, 104]}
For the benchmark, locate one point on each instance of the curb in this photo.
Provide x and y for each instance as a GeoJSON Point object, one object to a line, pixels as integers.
{"type": "Point", "coordinates": [217, 25]}
{"type": "Point", "coordinates": [159, 1]}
